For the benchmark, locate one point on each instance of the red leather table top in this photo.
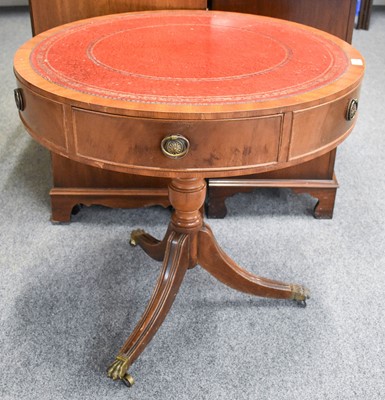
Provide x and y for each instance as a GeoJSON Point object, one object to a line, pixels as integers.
{"type": "Point", "coordinates": [184, 57]}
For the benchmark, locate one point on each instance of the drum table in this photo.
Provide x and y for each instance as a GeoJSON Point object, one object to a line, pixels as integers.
{"type": "Point", "coordinates": [188, 95]}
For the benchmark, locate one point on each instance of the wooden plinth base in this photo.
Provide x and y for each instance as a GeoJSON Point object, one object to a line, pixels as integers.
{"type": "Point", "coordinates": [324, 190]}
{"type": "Point", "coordinates": [63, 200]}
{"type": "Point", "coordinates": [187, 243]}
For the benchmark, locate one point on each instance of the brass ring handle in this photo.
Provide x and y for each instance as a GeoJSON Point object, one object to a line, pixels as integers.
{"type": "Point", "coordinates": [352, 109]}
{"type": "Point", "coordinates": [175, 146]}
{"type": "Point", "coordinates": [18, 94]}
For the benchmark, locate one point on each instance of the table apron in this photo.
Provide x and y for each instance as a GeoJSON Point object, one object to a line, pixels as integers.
{"type": "Point", "coordinates": [221, 147]}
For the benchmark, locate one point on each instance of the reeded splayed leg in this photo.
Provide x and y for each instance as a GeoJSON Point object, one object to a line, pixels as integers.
{"type": "Point", "coordinates": [175, 264]}
{"type": "Point", "coordinates": [213, 259]}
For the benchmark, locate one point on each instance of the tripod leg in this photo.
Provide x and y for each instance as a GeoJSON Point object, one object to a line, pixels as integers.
{"type": "Point", "coordinates": [153, 247]}
{"type": "Point", "coordinates": [213, 259]}
{"type": "Point", "coordinates": [175, 263]}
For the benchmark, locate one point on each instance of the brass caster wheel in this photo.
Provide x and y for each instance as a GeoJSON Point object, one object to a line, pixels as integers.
{"type": "Point", "coordinates": [128, 380]}
{"type": "Point", "coordinates": [135, 235]}
{"type": "Point", "coordinates": [301, 303]}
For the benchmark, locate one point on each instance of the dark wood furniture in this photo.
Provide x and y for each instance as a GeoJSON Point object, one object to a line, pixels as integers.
{"type": "Point", "coordinates": [364, 15]}
{"type": "Point", "coordinates": [333, 16]}
{"type": "Point", "coordinates": [317, 176]}
{"type": "Point", "coordinates": [172, 119]}
{"type": "Point", "coordinates": [46, 14]}
{"type": "Point", "coordinates": [74, 183]}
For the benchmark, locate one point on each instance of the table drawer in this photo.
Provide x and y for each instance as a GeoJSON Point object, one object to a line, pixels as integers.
{"type": "Point", "coordinates": [44, 120]}
{"type": "Point", "coordinates": [321, 128]}
{"type": "Point", "coordinates": [135, 143]}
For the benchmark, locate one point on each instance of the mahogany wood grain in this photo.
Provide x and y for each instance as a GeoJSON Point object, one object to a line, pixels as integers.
{"type": "Point", "coordinates": [315, 177]}
{"type": "Point", "coordinates": [213, 259]}
{"type": "Point", "coordinates": [326, 197]}
{"type": "Point", "coordinates": [333, 16]}
{"type": "Point", "coordinates": [69, 200]}
{"type": "Point", "coordinates": [248, 158]}
{"type": "Point", "coordinates": [46, 14]}
{"type": "Point", "coordinates": [153, 247]}
{"type": "Point", "coordinates": [175, 264]}
{"type": "Point", "coordinates": [79, 184]}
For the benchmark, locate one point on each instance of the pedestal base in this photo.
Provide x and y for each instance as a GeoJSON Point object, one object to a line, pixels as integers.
{"type": "Point", "coordinates": [187, 243]}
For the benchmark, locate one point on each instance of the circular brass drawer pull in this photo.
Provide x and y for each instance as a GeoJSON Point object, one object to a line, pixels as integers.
{"type": "Point", "coordinates": [352, 109]}
{"type": "Point", "coordinates": [175, 146]}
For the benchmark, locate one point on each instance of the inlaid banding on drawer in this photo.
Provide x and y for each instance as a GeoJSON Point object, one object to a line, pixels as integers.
{"type": "Point", "coordinates": [320, 127]}
{"type": "Point", "coordinates": [125, 141]}
{"type": "Point", "coordinates": [44, 120]}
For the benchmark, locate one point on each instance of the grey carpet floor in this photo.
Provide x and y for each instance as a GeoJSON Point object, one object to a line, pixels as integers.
{"type": "Point", "coordinates": [71, 294]}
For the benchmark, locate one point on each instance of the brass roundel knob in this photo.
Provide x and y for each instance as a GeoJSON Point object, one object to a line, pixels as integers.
{"type": "Point", "coordinates": [18, 94]}
{"type": "Point", "coordinates": [175, 146]}
{"type": "Point", "coordinates": [352, 109]}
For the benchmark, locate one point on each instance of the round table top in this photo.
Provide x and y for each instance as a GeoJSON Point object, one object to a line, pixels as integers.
{"type": "Point", "coordinates": [188, 93]}
{"type": "Point", "coordinates": [188, 60]}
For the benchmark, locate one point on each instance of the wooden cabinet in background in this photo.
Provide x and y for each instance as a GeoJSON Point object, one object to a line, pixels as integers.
{"type": "Point", "coordinates": [46, 14]}
{"type": "Point", "coordinates": [333, 16]}
{"type": "Point", "coordinates": [315, 177]}
{"type": "Point", "coordinates": [76, 183]}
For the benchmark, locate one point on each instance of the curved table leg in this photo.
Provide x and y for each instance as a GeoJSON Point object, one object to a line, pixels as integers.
{"type": "Point", "coordinates": [188, 242]}
{"type": "Point", "coordinates": [153, 247]}
{"type": "Point", "coordinates": [213, 259]}
{"type": "Point", "coordinates": [175, 264]}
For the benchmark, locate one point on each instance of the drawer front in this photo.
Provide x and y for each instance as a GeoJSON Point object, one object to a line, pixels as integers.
{"type": "Point", "coordinates": [44, 119]}
{"type": "Point", "coordinates": [321, 127]}
{"type": "Point", "coordinates": [135, 143]}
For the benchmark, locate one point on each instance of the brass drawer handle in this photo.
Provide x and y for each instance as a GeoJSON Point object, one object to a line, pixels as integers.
{"type": "Point", "coordinates": [352, 109]}
{"type": "Point", "coordinates": [175, 146]}
{"type": "Point", "coordinates": [18, 94]}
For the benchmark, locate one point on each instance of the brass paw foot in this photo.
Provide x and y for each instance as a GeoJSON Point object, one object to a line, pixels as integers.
{"type": "Point", "coordinates": [300, 294]}
{"type": "Point", "coordinates": [135, 235]}
{"type": "Point", "coordinates": [118, 370]}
